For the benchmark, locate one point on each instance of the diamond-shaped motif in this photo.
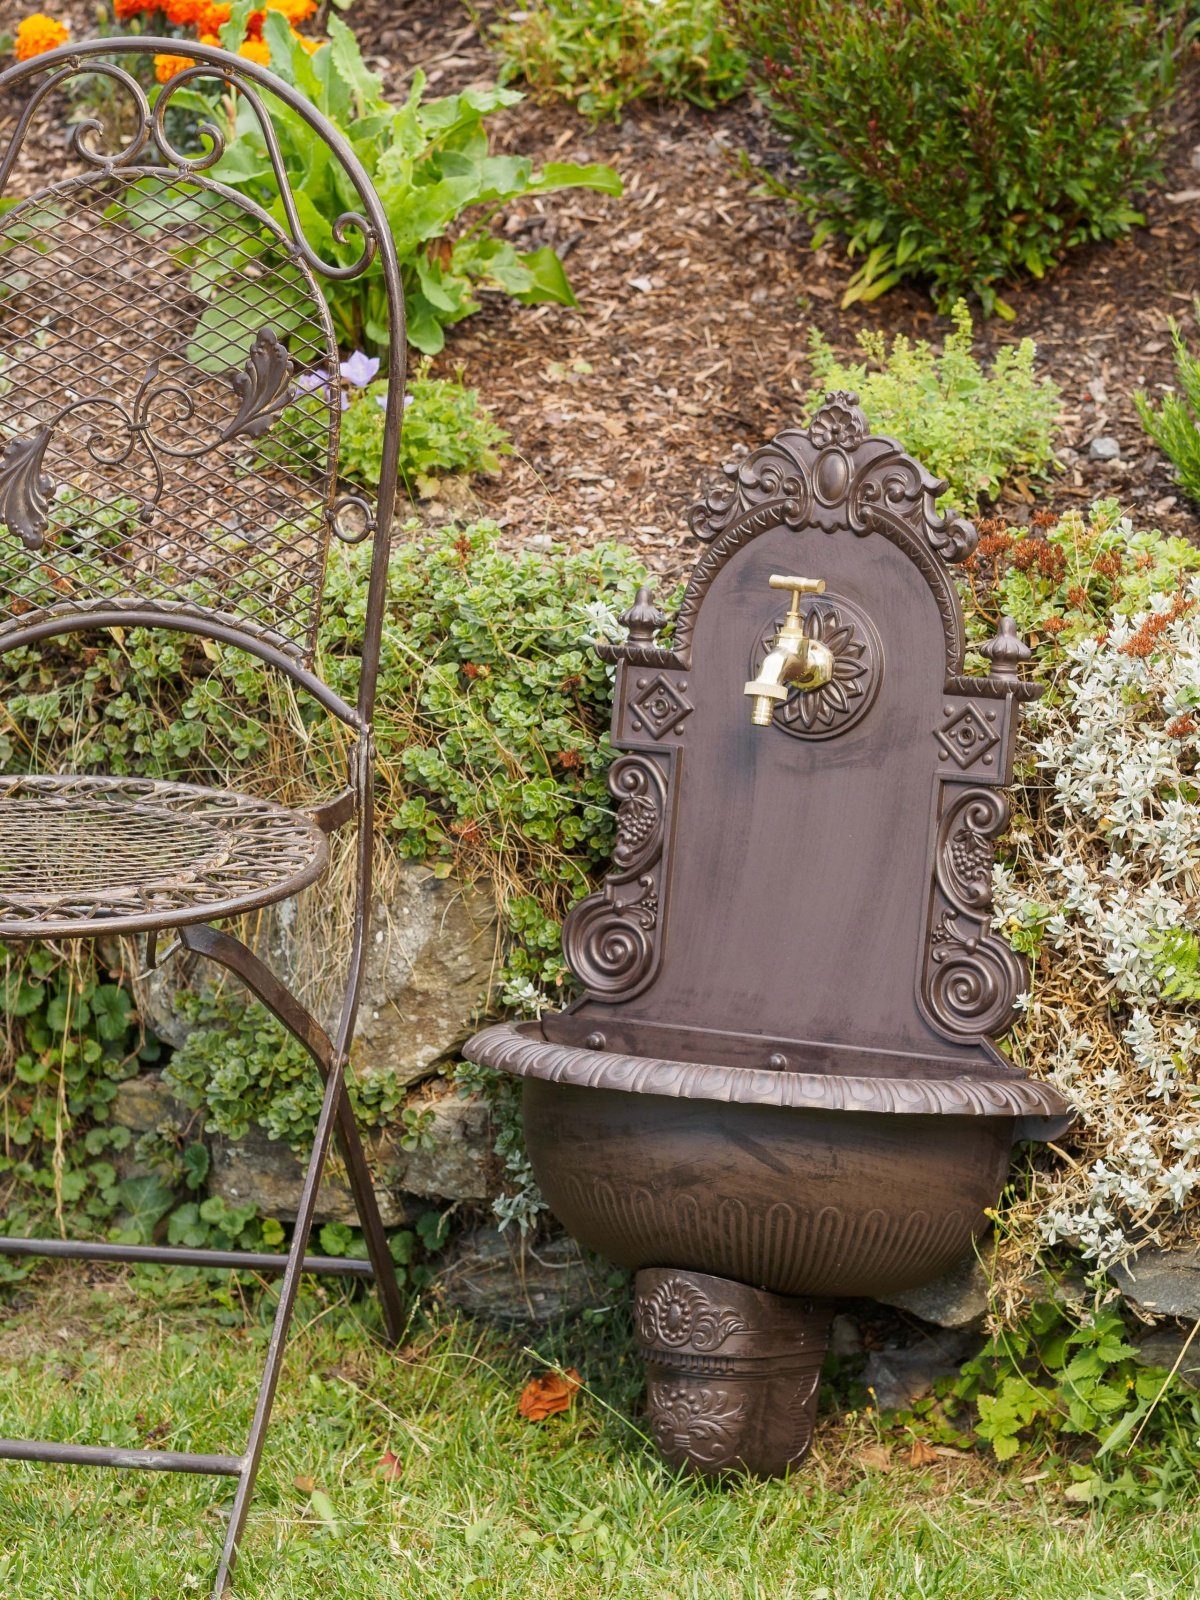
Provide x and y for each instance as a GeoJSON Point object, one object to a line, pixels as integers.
{"type": "Point", "coordinates": [967, 737]}
{"type": "Point", "coordinates": [658, 705]}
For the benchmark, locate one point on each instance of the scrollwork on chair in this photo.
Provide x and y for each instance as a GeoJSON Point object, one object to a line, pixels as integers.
{"type": "Point", "coordinates": [610, 939]}
{"type": "Point", "coordinates": [261, 387]}
{"type": "Point", "coordinates": [150, 129]}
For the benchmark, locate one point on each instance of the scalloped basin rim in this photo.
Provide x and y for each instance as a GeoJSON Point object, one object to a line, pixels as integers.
{"type": "Point", "coordinates": [521, 1049]}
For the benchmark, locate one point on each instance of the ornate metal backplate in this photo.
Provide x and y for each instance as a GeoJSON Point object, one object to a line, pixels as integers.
{"type": "Point", "coordinates": [909, 809]}
{"type": "Point", "coordinates": [850, 636]}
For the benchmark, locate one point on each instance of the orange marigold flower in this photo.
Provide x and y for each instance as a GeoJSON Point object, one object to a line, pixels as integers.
{"type": "Point", "coordinates": [256, 50]}
{"type": "Point", "coordinates": [123, 10]}
{"type": "Point", "coordinates": [182, 13]}
{"type": "Point", "coordinates": [309, 46]}
{"type": "Point", "coordinates": [254, 24]}
{"type": "Point", "coordinates": [39, 33]}
{"type": "Point", "coordinates": [294, 10]}
{"type": "Point", "coordinates": [211, 38]}
{"type": "Point", "coordinates": [212, 16]}
{"type": "Point", "coordinates": [166, 67]}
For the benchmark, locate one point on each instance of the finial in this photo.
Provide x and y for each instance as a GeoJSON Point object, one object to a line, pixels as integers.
{"type": "Point", "coordinates": [1006, 650]}
{"type": "Point", "coordinates": [839, 421]}
{"type": "Point", "coordinates": [643, 619]}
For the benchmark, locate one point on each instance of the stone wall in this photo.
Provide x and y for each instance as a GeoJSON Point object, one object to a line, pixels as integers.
{"type": "Point", "coordinates": [431, 957]}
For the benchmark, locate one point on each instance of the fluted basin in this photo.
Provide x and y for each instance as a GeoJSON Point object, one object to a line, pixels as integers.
{"type": "Point", "coordinates": [745, 1215]}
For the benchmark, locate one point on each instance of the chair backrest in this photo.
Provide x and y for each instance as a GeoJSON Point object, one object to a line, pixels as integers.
{"type": "Point", "coordinates": [170, 400]}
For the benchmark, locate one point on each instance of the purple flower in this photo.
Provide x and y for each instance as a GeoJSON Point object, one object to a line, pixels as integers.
{"type": "Point", "coordinates": [359, 370]}
{"type": "Point", "coordinates": [310, 382]}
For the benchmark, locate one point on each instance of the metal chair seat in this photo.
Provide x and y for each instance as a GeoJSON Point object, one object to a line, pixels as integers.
{"type": "Point", "coordinates": [81, 856]}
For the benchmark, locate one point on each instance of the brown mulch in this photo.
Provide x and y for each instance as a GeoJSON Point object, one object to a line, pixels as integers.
{"type": "Point", "coordinates": [696, 301]}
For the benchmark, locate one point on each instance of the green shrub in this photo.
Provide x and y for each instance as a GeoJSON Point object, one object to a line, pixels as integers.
{"type": "Point", "coordinates": [1173, 426]}
{"type": "Point", "coordinates": [971, 427]}
{"type": "Point", "coordinates": [446, 429]}
{"type": "Point", "coordinates": [965, 141]}
{"type": "Point", "coordinates": [430, 164]}
{"type": "Point", "coordinates": [603, 54]}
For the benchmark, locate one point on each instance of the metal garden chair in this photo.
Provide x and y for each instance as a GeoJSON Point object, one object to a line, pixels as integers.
{"type": "Point", "coordinates": [136, 489]}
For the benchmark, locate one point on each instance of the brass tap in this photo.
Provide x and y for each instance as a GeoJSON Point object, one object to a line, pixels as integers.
{"type": "Point", "coordinates": [794, 661]}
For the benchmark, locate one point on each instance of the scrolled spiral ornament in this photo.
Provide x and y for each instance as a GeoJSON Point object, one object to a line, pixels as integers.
{"type": "Point", "coordinates": [638, 785]}
{"type": "Point", "coordinates": [87, 126]}
{"type": "Point", "coordinates": [965, 850]}
{"type": "Point", "coordinates": [609, 939]}
{"type": "Point", "coordinates": [207, 130]}
{"type": "Point", "coordinates": [972, 980]}
{"type": "Point", "coordinates": [608, 946]}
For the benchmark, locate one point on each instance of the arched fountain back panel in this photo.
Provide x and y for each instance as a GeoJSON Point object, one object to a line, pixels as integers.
{"type": "Point", "coordinates": [824, 882]}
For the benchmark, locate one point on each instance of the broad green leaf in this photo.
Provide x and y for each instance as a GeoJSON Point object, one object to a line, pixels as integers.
{"type": "Point", "coordinates": [569, 175]}
{"type": "Point", "coordinates": [145, 1202]}
{"type": "Point", "coordinates": [549, 279]}
{"type": "Point", "coordinates": [365, 86]}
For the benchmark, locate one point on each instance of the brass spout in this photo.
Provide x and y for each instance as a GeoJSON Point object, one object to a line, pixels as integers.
{"type": "Point", "coordinates": [794, 661]}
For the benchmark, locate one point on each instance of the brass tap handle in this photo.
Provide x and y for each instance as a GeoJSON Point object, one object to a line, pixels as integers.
{"type": "Point", "coordinates": [798, 586]}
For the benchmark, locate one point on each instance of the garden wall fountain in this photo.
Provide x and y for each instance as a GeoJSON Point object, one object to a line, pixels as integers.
{"type": "Point", "coordinates": [780, 1084]}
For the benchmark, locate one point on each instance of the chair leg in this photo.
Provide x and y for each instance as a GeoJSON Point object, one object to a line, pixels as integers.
{"type": "Point", "coordinates": [231, 953]}
{"type": "Point", "coordinates": [334, 1095]}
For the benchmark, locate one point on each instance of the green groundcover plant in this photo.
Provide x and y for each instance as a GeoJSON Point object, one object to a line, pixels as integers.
{"type": "Point", "coordinates": [972, 427]}
{"type": "Point", "coordinates": [965, 141]}
{"type": "Point", "coordinates": [1174, 425]}
{"type": "Point", "coordinates": [431, 166]}
{"type": "Point", "coordinates": [603, 54]}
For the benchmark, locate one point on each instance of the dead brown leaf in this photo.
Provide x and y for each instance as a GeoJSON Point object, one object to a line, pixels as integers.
{"type": "Point", "coordinates": [390, 1465]}
{"type": "Point", "coordinates": [548, 1393]}
{"type": "Point", "coordinates": [304, 1483]}
{"type": "Point", "coordinates": [921, 1453]}
{"type": "Point", "coordinates": [875, 1457]}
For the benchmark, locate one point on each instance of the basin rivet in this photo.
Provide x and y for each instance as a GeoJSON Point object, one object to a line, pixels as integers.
{"type": "Point", "coordinates": [777, 1061]}
{"type": "Point", "coordinates": [641, 683]}
{"type": "Point", "coordinates": [594, 1041]}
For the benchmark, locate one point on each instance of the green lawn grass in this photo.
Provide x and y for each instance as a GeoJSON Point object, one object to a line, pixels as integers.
{"type": "Point", "coordinates": [480, 1502]}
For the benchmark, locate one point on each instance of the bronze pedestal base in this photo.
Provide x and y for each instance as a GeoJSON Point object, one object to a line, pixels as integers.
{"type": "Point", "coordinates": [732, 1373]}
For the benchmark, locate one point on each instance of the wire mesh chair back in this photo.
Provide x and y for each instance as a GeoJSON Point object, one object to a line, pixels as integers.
{"type": "Point", "coordinates": [169, 395]}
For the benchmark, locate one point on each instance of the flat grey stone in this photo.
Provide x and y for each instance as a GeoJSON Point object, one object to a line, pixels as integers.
{"type": "Point", "coordinates": [1164, 1282]}
{"type": "Point", "coordinates": [1105, 448]}
{"type": "Point", "coordinates": [845, 1336]}
{"type": "Point", "coordinates": [429, 969]}
{"type": "Point", "coordinates": [955, 1300]}
{"type": "Point", "coordinates": [145, 1104]}
{"type": "Point", "coordinates": [499, 1277]}
{"type": "Point", "coordinates": [898, 1377]}
{"type": "Point", "coordinates": [455, 1162]}
{"type": "Point", "coordinates": [430, 957]}
{"type": "Point", "coordinates": [1162, 1348]}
